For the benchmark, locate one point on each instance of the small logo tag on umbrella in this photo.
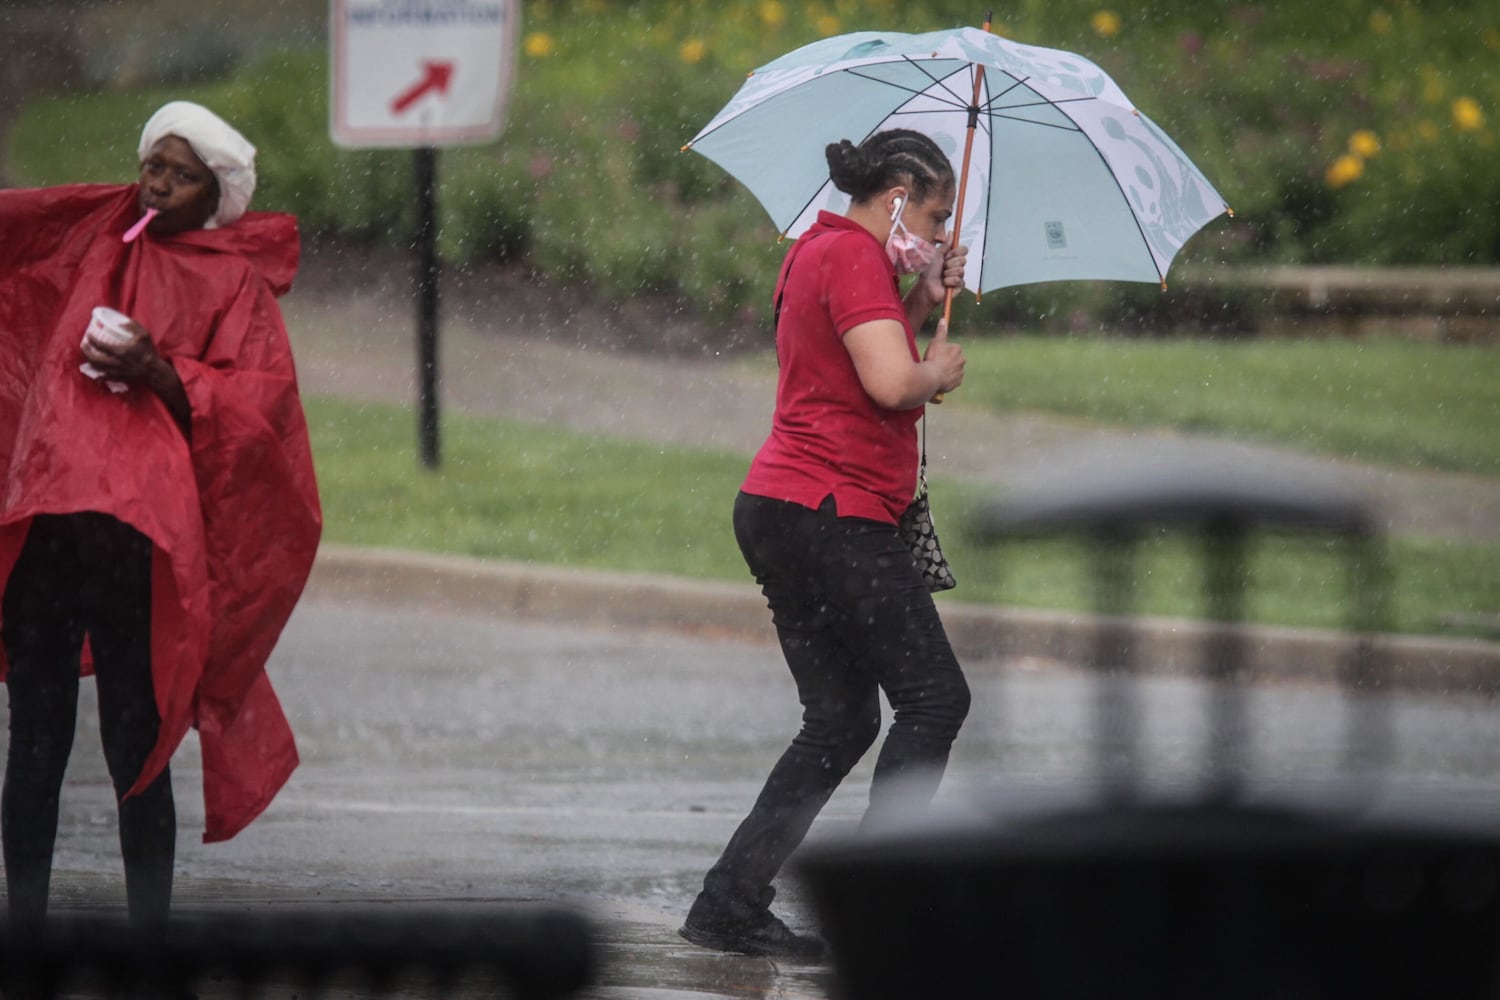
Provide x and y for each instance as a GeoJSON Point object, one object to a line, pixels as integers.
{"type": "Point", "coordinates": [1056, 239]}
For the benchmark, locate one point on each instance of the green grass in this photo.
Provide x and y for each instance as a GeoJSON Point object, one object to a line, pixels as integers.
{"type": "Point", "coordinates": [524, 492]}
{"type": "Point", "coordinates": [520, 492]}
{"type": "Point", "coordinates": [1292, 580]}
{"type": "Point", "coordinates": [1384, 400]}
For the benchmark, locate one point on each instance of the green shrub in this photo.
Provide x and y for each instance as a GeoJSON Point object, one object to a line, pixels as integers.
{"type": "Point", "coordinates": [1344, 131]}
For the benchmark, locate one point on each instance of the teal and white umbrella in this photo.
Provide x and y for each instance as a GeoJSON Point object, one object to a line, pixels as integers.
{"type": "Point", "coordinates": [1067, 180]}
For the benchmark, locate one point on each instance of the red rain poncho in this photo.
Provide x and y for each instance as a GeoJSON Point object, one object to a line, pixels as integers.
{"type": "Point", "coordinates": [232, 510]}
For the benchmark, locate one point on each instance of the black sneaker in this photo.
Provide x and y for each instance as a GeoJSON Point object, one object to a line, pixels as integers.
{"type": "Point", "coordinates": [756, 932]}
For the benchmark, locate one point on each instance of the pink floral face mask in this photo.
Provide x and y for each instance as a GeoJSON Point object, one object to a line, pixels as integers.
{"type": "Point", "coordinates": [908, 251]}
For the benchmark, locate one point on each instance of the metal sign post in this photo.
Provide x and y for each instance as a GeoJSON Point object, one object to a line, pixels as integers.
{"type": "Point", "coordinates": [425, 167]}
{"type": "Point", "coordinates": [422, 74]}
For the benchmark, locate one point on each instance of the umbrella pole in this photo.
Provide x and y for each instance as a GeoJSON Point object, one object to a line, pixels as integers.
{"type": "Point", "coordinates": [963, 175]}
{"type": "Point", "coordinates": [963, 179]}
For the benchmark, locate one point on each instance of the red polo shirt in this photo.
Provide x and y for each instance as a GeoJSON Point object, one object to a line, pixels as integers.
{"type": "Point", "coordinates": [828, 437]}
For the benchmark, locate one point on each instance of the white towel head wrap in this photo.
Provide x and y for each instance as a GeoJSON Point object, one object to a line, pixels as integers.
{"type": "Point", "coordinates": [223, 150]}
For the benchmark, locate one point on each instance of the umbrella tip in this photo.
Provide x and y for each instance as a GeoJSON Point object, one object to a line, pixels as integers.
{"type": "Point", "coordinates": [1229, 210]}
{"type": "Point", "coordinates": [687, 145]}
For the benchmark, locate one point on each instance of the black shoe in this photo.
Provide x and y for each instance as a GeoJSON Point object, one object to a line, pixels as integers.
{"type": "Point", "coordinates": [746, 931]}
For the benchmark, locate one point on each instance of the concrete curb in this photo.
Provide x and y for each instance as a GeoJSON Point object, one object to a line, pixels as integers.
{"type": "Point", "coordinates": [601, 598]}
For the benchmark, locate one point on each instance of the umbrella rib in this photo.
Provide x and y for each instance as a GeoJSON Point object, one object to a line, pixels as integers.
{"type": "Point", "coordinates": [1023, 81]}
{"type": "Point", "coordinates": [985, 119]}
{"type": "Point", "coordinates": [957, 102]}
{"type": "Point", "coordinates": [957, 98]}
{"type": "Point", "coordinates": [1016, 81]}
{"type": "Point", "coordinates": [809, 201]}
{"type": "Point", "coordinates": [1033, 121]}
{"type": "Point", "coordinates": [1040, 102]}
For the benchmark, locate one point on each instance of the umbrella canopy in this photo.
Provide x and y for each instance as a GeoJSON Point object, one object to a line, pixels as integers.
{"type": "Point", "coordinates": [1066, 181]}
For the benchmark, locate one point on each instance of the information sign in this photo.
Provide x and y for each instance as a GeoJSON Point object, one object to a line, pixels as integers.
{"type": "Point", "coordinates": [421, 72]}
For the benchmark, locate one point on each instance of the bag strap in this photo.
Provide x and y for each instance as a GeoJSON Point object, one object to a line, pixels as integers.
{"type": "Point", "coordinates": [922, 469]}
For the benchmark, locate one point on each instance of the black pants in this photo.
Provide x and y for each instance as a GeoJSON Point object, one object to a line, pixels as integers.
{"type": "Point", "coordinates": [854, 619]}
{"type": "Point", "coordinates": [82, 575]}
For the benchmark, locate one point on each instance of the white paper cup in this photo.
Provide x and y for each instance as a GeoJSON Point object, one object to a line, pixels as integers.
{"type": "Point", "coordinates": [107, 326]}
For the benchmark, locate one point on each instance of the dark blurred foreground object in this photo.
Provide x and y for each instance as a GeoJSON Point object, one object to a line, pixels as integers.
{"type": "Point", "coordinates": [1209, 897]}
{"type": "Point", "coordinates": [521, 952]}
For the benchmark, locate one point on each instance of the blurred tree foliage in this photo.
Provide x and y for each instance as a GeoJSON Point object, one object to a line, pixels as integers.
{"type": "Point", "coordinates": [1343, 131]}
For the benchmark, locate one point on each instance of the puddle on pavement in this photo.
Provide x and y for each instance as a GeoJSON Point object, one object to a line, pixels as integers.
{"type": "Point", "coordinates": [649, 962]}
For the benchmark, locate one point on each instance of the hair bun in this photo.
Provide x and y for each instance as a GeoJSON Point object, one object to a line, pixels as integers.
{"type": "Point", "coordinates": [848, 166]}
{"type": "Point", "coordinates": [895, 156]}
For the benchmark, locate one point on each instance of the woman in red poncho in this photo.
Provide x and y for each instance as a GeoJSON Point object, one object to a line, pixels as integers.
{"type": "Point", "coordinates": [159, 513]}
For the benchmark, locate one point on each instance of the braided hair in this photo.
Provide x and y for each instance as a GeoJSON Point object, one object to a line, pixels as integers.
{"type": "Point", "coordinates": [886, 159]}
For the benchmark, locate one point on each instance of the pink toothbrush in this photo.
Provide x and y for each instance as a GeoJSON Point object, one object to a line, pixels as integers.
{"type": "Point", "coordinates": [136, 229]}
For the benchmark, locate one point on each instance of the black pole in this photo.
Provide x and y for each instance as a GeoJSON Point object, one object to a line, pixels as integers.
{"type": "Point", "coordinates": [1226, 550]}
{"type": "Point", "coordinates": [427, 304]}
{"type": "Point", "coordinates": [1116, 714]}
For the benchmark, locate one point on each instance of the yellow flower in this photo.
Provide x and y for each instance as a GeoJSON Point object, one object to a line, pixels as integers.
{"type": "Point", "coordinates": [1345, 170]}
{"type": "Point", "coordinates": [1380, 21]}
{"type": "Point", "coordinates": [539, 44]}
{"type": "Point", "coordinates": [693, 50]}
{"type": "Point", "coordinates": [1468, 116]}
{"type": "Point", "coordinates": [828, 25]}
{"type": "Point", "coordinates": [1106, 23]}
{"type": "Point", "coordinates": [1364, 144]}
{"type": "Point", "coordinates": [773, 13]}
{"type": "Point", "coordinates": [1427, 130]}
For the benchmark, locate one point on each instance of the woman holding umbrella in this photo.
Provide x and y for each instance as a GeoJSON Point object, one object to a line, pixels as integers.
{"type": "Point", "coordinates": [816, 521]}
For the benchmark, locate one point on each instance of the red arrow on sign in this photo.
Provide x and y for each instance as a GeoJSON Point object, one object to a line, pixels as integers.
{"type": "Point", "coordinates": [435, 76]}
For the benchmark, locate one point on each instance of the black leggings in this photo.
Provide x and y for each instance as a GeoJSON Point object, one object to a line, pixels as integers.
{"type": "Point", "coordinates": [82, 575]}
{"type": "Point", "coordinates": [854, 619]}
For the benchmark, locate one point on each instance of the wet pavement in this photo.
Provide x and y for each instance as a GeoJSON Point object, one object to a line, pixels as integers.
{"type": "Point", "coordinates": [462, 760]}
